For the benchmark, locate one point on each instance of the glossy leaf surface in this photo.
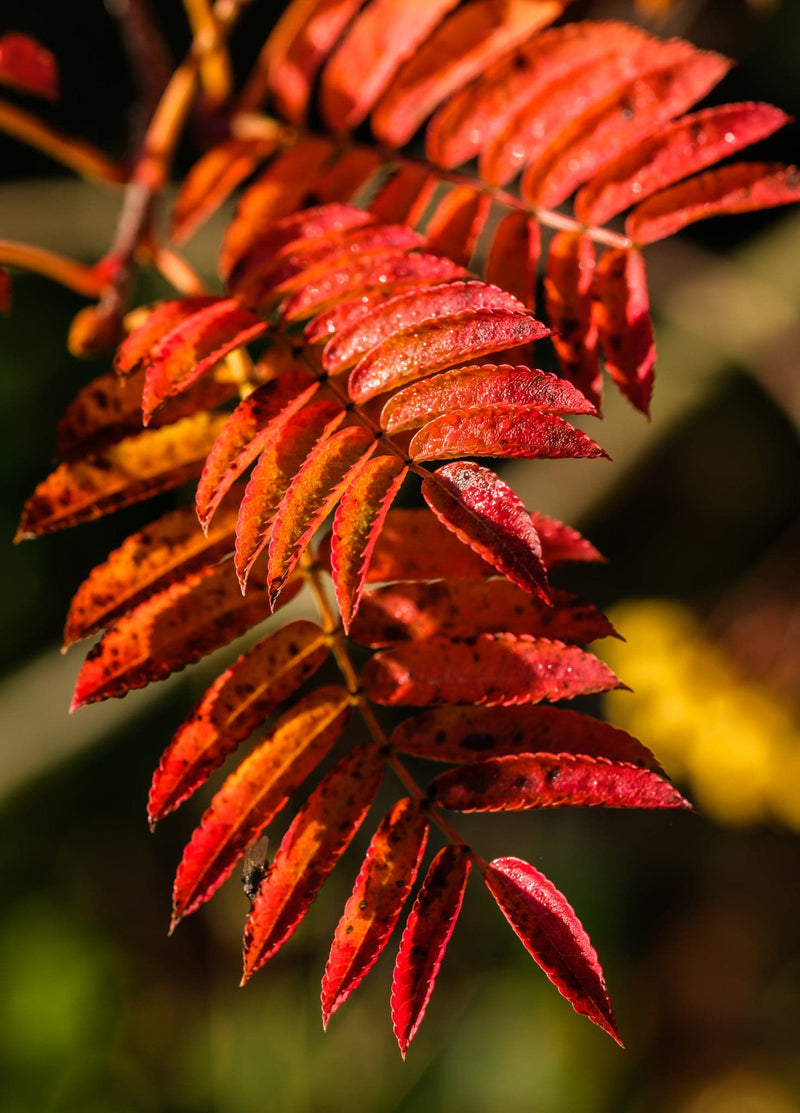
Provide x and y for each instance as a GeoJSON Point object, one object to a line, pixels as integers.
{"type": "Point", "coordinates": [504, 431]}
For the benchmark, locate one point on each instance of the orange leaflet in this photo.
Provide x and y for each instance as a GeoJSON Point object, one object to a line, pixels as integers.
{"type": "Point", "coordinates": [513, 260]}
{"type": "Point", "coordinates": [625, 117]}
{"type": "Point", "coordinates": [350, 173]}
{"type": "Point", "coordinates": [134, 469]}
{"type": "Point", "coordinates": [414, 352]}
{"type": "Point", "coordinates": [486, 385]}
{"type": "Point", "coordinates": [146, 562]}
{"type": "Point", "coordinates": [109, 408]}
{"type": "Point", "coordinates": [517, 782]}
{"type": "Point", "coordinates": [255, 792]}
{"type": "Point", "coordinates": [383, 36]}
{"type": "Point", "coordinates": [489, 669]}
{"type": "Point", "coordinates": [554, 936]}
{"type": "Point", "coordinates": [739, 188]}
{"type": "Point", "coordinates": [297, 47]}
{"type": "Point", "coordinates": [622, 312]}
{"type": "Point", "coordinates": [466, 123]}
{"type": "Point", "coordinates": [406, 195]}
{"type": "Point", "coordinates": [459, 50]}
{"type": "Point", "coordinates": [235, 704]}
{"type": "Point", "coordinates": [411, 307]}
{"type": "Point", "coordinates": [523, 432]}
{"type": "Point", "coordinates": [675, 151]}
{"type": "Point", "coordinates": [170, 630]}
{"type": "Point", "coordinates": [463, 734]}
{"type": "Point", "coordinates": [275, 193]}
{"type": "Point", "coordinates": [252, 424]}
{"type": "Point", "coordinates": [193, 347]}
{"type": "Point", "coordinates": [133, 353]}
{"type": "Point", "coordinates": [425, 938]}
{"type": "Point", "coordinates": [319, 835]}
{"type": "Point", "coordinates": [381, 889]}
{"type": "Point", "coordinates": [212, 179]}
{"type": "Point", "coordinates": [568, 294]}
{"type": "Point", "coordinates": [484, 513]}
{"type": "Point", "coordinates": [462, 608]}
{"type": "Point", "coordinates": [278, 465]}
{"type": "Point", "coordinates": [457, 222]}
{"type": "Point", "coordinates": [325, 474]}
{"type": "Point", "coordinates": [25, 64]}
{"type": "Point", "coordinates": [380, 272]}
{"type": "Point", "coordinates": [357, 523]}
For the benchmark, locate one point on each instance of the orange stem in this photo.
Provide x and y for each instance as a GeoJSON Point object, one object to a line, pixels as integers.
{"type": "Point", "coordinates": [77, 154]}
{"type": "Point", "coordinates": [79, 277]}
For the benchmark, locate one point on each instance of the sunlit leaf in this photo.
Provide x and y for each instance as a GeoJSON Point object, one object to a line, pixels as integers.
{"type": "Point", "coordinates": [622, 313]}
{"type": "Point", "coordinates": [504, 431]}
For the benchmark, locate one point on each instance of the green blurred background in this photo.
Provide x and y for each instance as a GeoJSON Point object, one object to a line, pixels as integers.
{"type": "Point", "coordinates": [696, 917]}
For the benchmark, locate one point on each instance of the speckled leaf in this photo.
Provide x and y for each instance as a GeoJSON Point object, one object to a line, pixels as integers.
{"type": "Point", "coordinates": [464, 734]}
{"type": "Point", "coordinates": [504, 431]}
{"type": "Point", "coordinates": [319, 835]}
{"type": "Point", "coordinates": [170, 630]}
{"type": "Point", "coordinates": [554, 936]}
{"type": "Point", "coordinates": [517, 782]}
{"type": "Point", "coordinates": [414, 352]}
{"type": "Point", "coordinates": [357, 523]}
{"type": "Point", "coordinates": [489, 669]}
{"type": "Point", "coordinates": [255, 792]}
{"type": "Point", "coordinates": [463, 608]}
{"type": "Point", "coordinates": [146, 562]}
{"type": "Point", "coordinates": [254, 422]}
{"type": "Point", "coordinates": [622, 312]}
{"type": "Point", "coordinates": [484, 513]}
{"type": "Point", "coordinates": [568, 291]}
{"type": "Point", "coordinates": [235, 704]}
{"type": "Point", "coordinates": [25, 64]}
{"type": "Point", "coordinates": [381, 890]}
{"type": "Point", "coordinates": [513, 258]}
{"type": "Point", "coordinates": [325, 474]}
{"type": "Point", "coordinates": [133, 353]}
{"type": "Point", "coordinates": [132, 470]}
{"type": "Point", "coordinates": [425, 938]}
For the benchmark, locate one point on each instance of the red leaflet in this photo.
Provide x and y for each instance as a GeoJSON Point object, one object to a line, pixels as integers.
{"type": "Point", "coordinates": [255, 792]}
{"type": "Point", "coordinates": [380, 272]}
{"type": "Point", "coordinates": [552, 933]}
{"type": "Point", "coordinates": [385, 34]}
{"type": "Point", "coordinates": [235, 704]}
{"type": "Point", "coordinates": [622, 312]}
{"type": "Point", "coordinates": [489, 669]}
{"type": "Point", "coordinates": [343, 315]}
{"type": "Point", "coordinates": [250, 426]}
{"type": "Point", "coordinates": [381, 889]}
{"type": "Point", "coordinates": [513, 260]}
{"type": "Point", "coordinates": [406, 195]}
{"type": "Point", "coordinates": [352, 170]}
{"type": "Point", "coordinates": [521, 781]}
{"type": "Point", "coordinates": [484, 513]}
{"type": "Point", "coordinates": [276, 193]}
{"type": "Point", "coordinates": [463, 608]}
{"type": "Point", "coordinates": [504, 431]}
{"type": "Point", "coordinates": [562, 544]}
{"type": "Point", "coordinates": [628, 115]}
{"type": "Point", "coordinates": [193, 347]}
{"type": "Point", "coordinates": [414, 352]}
{"type": "Point", "coordinates": [297, 47]}
{"type": "Point", "coordinates": [146, 562]}
{"type": "Point", "coordinates": [568, 291]}
{"type": "Point", "coordinates": [739, 188]}
{"type": "Point", "coordinates": [327, 471]}
{"type": "Point", "coordinates": [319, 835]}
{"type": "Point", "coordinates": [481, 386]}
{"type": "Point", "coordinates": [272, 475]}
{"type": "Point", "coordinates": [456, 224]}
{"type": "Point", "coordinates": [358, 521]}
{"type": "Point", "coordinates": [464, 734]}
{"type": "Point", "coordinates": [458, 51]}
{"type": "Point", "coordinates": [169, 631]}
{"type": "Point", "coordinates": [675, 151]}
{"type": "Point", "coordinates": [212, 179]}
{"type": "Point", "coordinates": [5, 292]}
{"type": "Point", "coordinates": [466, 124]}
{"type": "Point", "coordinates": [26, 65]}
{"type": "Point", "coordinates": [405, 310]}
{"type": "Point", "coordinates": [134, 469]}
{"type": "Point", "coordinates": [425, 938]}
{"type": "Point", "coordinates": [133, 353]}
